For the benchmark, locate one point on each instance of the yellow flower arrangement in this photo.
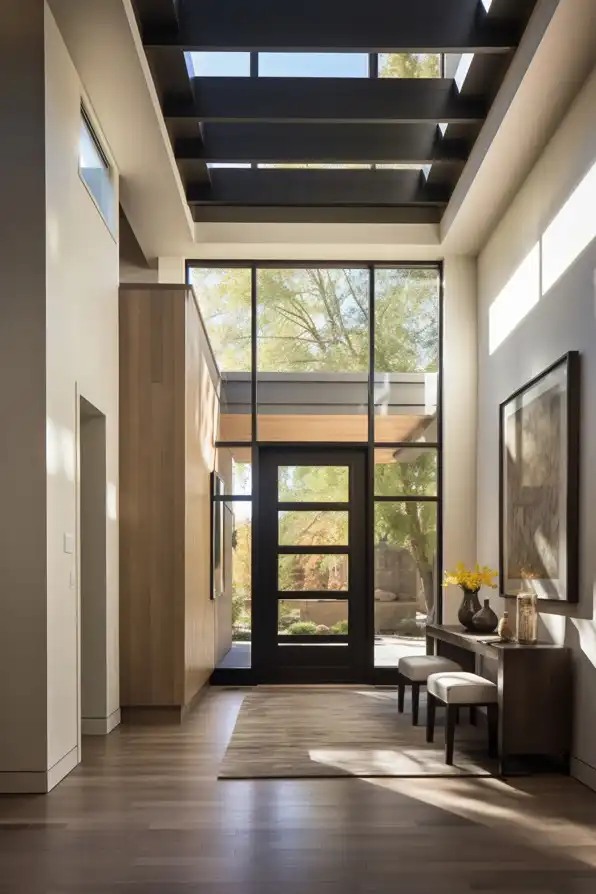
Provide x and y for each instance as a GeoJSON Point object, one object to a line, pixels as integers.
{"type": "Point", "coordinates": [471, 579]}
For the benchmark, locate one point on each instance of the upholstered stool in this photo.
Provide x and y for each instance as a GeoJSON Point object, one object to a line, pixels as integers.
{"type": "Point", "coordinates": [457, 689]}
{"type": "Point", "coordinates": [414, 671]}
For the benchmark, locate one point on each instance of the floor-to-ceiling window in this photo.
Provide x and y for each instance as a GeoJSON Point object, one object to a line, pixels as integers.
{"type": "Point", "coordinates": [331, 355]}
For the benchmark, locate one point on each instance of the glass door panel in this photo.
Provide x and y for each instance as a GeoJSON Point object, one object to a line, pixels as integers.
{"type": "Point", "coordinates": [313, 527]}
{"type": "Point", "coordinates": [312, 587]}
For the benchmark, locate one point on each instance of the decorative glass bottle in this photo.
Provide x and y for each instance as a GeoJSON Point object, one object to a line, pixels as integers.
{"type": "Point", "coordinates": [527, 619]}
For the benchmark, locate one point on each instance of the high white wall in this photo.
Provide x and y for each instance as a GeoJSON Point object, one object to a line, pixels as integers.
{"type": "Point", "coordinates": [459, 421]}
{"type": "Point", "coordinates": [81, 360]}
{"type": "Point", "coordinates": [58, 339]}
{"type": "Point", "coordinates": [22, 396]}
{"type": "Point", "coordinates": [536, 281]}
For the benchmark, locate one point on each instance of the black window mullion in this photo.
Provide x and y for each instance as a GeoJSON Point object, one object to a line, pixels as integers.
{"type": "Point", "coordinates": [312, 595]}
{"type": "Point", "coordinates": [422, 445]}
{"type": "Point", "coordinates": [314, 639]}
{"type": "Point", "coordinates": [288, 506]}
{"type": "Point", "coordinates": [315, 550]}
{"type": "Point", "coordinates": [406, 498]}
{"type": "Point", "coordinates": [369, 648]}
{"type": "Point", "coordinates": [253, 353]}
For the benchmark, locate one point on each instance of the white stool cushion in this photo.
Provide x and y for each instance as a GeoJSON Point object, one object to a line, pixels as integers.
{"type": "Point", "coordinates": [461, 688]}
{"type": "Point", "coordinates": [418, 667]}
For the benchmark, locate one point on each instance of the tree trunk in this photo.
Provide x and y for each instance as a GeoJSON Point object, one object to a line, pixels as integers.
{"type": "Point", "coordinates": [425, 569]}
{"type": "Point", "coordinates": [428, 585]}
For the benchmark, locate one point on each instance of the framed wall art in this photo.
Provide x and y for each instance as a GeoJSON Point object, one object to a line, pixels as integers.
{"type": "Point", "coordinates": [539, 484]}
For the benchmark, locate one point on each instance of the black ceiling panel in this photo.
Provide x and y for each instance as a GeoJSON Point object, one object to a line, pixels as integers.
{"type": "Point", "coordinates": [227, 131]}
{"type": "Point", "coordinates": [323, 143]}
{"type": "Point", "coordinates": [413, 26]}
{"type": "Point", "coordinates": [335, 100]}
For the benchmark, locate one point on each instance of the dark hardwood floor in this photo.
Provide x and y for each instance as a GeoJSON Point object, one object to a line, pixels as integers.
{"type": "Point", "coordinates": [145, 813]}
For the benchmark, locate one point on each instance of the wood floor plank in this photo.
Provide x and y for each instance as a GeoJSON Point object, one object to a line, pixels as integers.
{"type": "Point", "coordinates": [145, 813]}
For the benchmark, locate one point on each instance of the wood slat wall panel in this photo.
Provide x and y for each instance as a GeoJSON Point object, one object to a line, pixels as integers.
{"type": "Point", "coordinates": [166, 616]}
{"type": "Point", "coordinates": [200, 414]}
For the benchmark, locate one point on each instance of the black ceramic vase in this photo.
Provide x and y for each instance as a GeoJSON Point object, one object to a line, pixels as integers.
{"type": "Point", "coordinates": [485, 621]}
{"type": "Point", "coordinates": [469, 607]}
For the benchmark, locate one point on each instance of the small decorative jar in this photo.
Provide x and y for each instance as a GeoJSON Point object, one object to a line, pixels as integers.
{"type": "Point", "coordinates": [485, 621]}
{"type": "Point", "coordinates": [527, 619]}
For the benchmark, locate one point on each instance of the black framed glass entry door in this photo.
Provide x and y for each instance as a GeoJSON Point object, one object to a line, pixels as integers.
{"type": "Point", "coordinates": [309, 622]}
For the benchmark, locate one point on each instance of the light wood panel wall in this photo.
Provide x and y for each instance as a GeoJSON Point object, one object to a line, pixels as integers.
{"type": "Point", "coordinates": [166, 615]}
{"type": "Point", "coordinates": [200, 416]}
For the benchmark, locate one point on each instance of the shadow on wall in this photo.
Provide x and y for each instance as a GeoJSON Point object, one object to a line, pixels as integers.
{"type": "Point", "coordinates": [580, 635]}
{"type": "Point", "coordinates": [569, 234]}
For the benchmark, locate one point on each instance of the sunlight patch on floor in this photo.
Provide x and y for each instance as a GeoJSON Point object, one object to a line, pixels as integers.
{"type": "Point", "coordinates": [501, 805]}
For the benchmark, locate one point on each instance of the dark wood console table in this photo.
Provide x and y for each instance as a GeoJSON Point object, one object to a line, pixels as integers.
{"type": "Point", "coordinates": [535, 691]}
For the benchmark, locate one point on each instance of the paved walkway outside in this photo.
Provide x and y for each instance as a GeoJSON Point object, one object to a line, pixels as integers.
{"type": "Point", "coordinates": [388, 651]}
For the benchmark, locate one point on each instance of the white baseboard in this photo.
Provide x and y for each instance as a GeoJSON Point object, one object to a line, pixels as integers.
{"type": "Point", "coordinates": [62, 768]}
{"type": "Point", "coordinates": [100, 726]}
{"type": "Point", "coordinates": [583, 772]}
{"type": "Point", "coordinates": [38, 782]}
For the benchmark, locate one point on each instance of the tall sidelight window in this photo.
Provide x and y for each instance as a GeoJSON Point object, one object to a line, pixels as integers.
{"type": "Point", "coordinates": [406, 355]}
{"type": "Point", "coordinates": [312, 354]}
{"type": "Point", "coordinates": [224, 295]}
{"type": "Point", "coordinates": [333, 356]}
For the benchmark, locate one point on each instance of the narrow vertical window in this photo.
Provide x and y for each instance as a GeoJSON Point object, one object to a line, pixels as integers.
{"type": "Point", "coordinates": [96, 171]}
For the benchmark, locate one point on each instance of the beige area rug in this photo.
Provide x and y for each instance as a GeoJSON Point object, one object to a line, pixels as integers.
{"type": "Point", "coordinates": [287, 732]}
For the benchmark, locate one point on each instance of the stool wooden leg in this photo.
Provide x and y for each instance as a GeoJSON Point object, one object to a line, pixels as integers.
{"type": "Point", "coordinates": [450, 733]}
{"type": "Point", "coordinates": [473, 718]}
{"type": "Point", "coordinates": [431, 706]}
{"type": "Point", "coordinates": [401, 692]}
{"type": "Point", "coordinates": [493, 730]}
{"type": "Point", "coordinates": [415, 702]}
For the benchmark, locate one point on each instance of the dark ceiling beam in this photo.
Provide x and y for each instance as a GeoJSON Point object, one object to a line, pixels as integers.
{"type": "Point", "coordinates": [310, 187]}
{"type": "Point", "coordinates": [334, 100]}
{"type": "Point", "coordinates": [397, 214]}
{"type": "Point", "coordinates": [323, 143]}
{"type": "Point", "coordinates": [385, 26]}
{"type": "Point", "coordinates": [160, 15]}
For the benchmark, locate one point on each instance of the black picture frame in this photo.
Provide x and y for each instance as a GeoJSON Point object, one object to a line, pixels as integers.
{"type": "Point", "coordinates": [553, 431]}
{"type": "Point", "coordinates": [217, 535]}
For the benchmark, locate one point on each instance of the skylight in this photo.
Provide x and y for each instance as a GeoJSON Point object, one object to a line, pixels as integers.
{"type": "Point", "coordinates": [313, 65]}
{"type": "Point", "coordinates": [315, 166]}
{"type": "Point", "coordinates": [221, 65]}
{"type": "Point", "coordinates": [228, 164]}
{"type": "Point", "coordinates": [410, 65]}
